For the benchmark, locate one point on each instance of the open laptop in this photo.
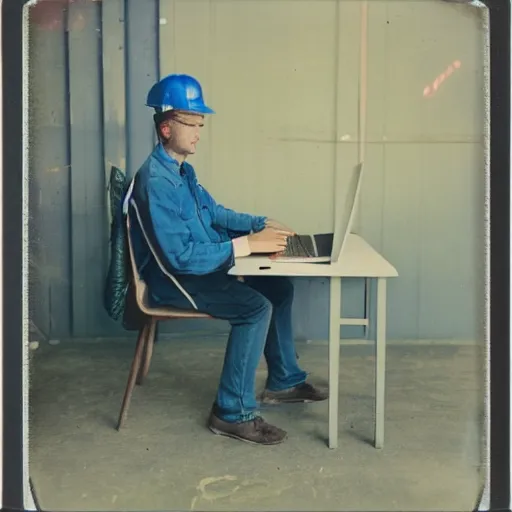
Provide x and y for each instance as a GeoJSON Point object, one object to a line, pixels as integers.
{"type": "Point", "coordinates": [326, 247]}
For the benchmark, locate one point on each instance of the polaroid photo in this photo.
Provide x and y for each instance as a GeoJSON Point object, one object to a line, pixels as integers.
{"type": "Point", "coordinates": [256, 255]}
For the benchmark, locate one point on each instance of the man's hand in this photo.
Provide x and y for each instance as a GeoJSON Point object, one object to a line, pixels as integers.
{"type": "Point", "coordinates": [274, 224]}
{"type": "Point", "coordinates": [268, 241]}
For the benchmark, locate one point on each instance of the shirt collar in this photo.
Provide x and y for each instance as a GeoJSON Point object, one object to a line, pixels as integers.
{"type": "Point", "coordinates": [167, 160]}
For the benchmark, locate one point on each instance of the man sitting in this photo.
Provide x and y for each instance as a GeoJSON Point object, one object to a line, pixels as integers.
{"type": "Point", "coordinates": [197, 241]}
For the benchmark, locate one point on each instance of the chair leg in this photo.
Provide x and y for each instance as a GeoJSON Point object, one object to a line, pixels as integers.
{"type": "Point", "coordinates": [148, 351]}
{"type": "Point", "coordinates": [141, 341]}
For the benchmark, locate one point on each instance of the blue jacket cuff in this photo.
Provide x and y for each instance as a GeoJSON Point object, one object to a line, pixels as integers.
{"type": "Point", "coordinates": [258, 223]}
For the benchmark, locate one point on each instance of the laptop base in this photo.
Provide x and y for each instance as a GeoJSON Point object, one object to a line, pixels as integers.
{"type": "Point", "coordinates": [321, 244]}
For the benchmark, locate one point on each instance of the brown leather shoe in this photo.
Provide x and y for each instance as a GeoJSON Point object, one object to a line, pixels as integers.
{"type": "Point", "coordinates": [256, 431]}
{"type": "Point", "coordinates": [303, 393]}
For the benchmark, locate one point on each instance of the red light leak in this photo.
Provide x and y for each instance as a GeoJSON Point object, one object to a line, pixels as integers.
{"type": "Point", "coordinates": [48, 14]}
{"type": "Point", "coordinates": [430, 90]}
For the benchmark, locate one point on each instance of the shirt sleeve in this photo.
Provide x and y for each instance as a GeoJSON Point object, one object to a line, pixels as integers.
{"type": "Point", "coordinates": [241, 247]}
{"type": "Point", "coordinates": [230, 220]}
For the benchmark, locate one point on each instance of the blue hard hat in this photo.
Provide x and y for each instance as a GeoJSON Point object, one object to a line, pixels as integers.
{"type": "Point", "coordinates": [178, 92]}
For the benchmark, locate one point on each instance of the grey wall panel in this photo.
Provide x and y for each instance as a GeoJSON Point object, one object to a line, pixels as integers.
{"type": "Point", "coordinates": [401, 236]}
{"type": "Point", "coordinates": [114, 84]}
{"type": "Point", "coordinates": [422, 192]}
{"type": "Point", "coordinates": [88, 212]}
{"type": "Point", "coordinates": [49, 175]}
{"type": "Point", "coordinates": [141, 73]}
{"type": "Point", "coordinates": [451, 263]}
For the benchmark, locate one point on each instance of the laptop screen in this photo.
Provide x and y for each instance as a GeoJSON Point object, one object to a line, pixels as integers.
{"type": "Point", "coordinates": [345, 218]}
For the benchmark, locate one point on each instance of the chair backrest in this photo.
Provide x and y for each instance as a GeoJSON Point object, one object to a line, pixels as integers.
{"type": "Point", "coordinates": [140, 285]}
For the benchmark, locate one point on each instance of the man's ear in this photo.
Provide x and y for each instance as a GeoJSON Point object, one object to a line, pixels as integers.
{"type": "Point", "coordinates": [165, 131]}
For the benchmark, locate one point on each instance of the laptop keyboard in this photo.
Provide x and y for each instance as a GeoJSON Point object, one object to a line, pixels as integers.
{"type": "Point", "coordinates": [299, 247]}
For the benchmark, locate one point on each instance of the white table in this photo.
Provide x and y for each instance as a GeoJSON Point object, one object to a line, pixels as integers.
{"type": "Point", "coordinates": [358, 259]}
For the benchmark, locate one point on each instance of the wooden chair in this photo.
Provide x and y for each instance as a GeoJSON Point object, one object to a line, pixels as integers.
{"type": "Point", "coordinates": [146, 338]}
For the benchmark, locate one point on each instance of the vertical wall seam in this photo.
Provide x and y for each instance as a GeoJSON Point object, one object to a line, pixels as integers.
{"type": "Point", "coordinates": [67, 117]}
{"type": "Point", "coordinates": [211, 61]}
{"type": "Point", "coordinates": [157, 42]}
{"type": "Point", "coordinates": [127, 87]}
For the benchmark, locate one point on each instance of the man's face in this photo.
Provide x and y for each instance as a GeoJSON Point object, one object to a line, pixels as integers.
{"type": "Point", "coordinates": [181, 132]}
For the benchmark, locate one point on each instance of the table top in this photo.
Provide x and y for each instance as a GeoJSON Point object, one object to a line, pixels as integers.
{"type": "Point", "coordinates": [358, 259]}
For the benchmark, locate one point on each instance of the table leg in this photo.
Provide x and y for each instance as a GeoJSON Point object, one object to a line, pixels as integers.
{"type": "Point", "coordinates": [334, 358]}
{"type": "Point", "coordinates": [380, 363]}
{"type": "Point", "coordinates": [367, 304]}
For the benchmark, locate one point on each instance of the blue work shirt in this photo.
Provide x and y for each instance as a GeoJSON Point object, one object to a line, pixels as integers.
{"type": "Point", "coordinates": [190, 233]}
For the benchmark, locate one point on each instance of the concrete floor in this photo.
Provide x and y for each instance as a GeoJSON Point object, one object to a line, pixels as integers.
{"type": "Point", "coordinates": [165, 458]}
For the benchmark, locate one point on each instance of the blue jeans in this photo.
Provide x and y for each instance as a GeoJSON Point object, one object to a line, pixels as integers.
{"type": "Point", "coordinates": [260, 313]}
